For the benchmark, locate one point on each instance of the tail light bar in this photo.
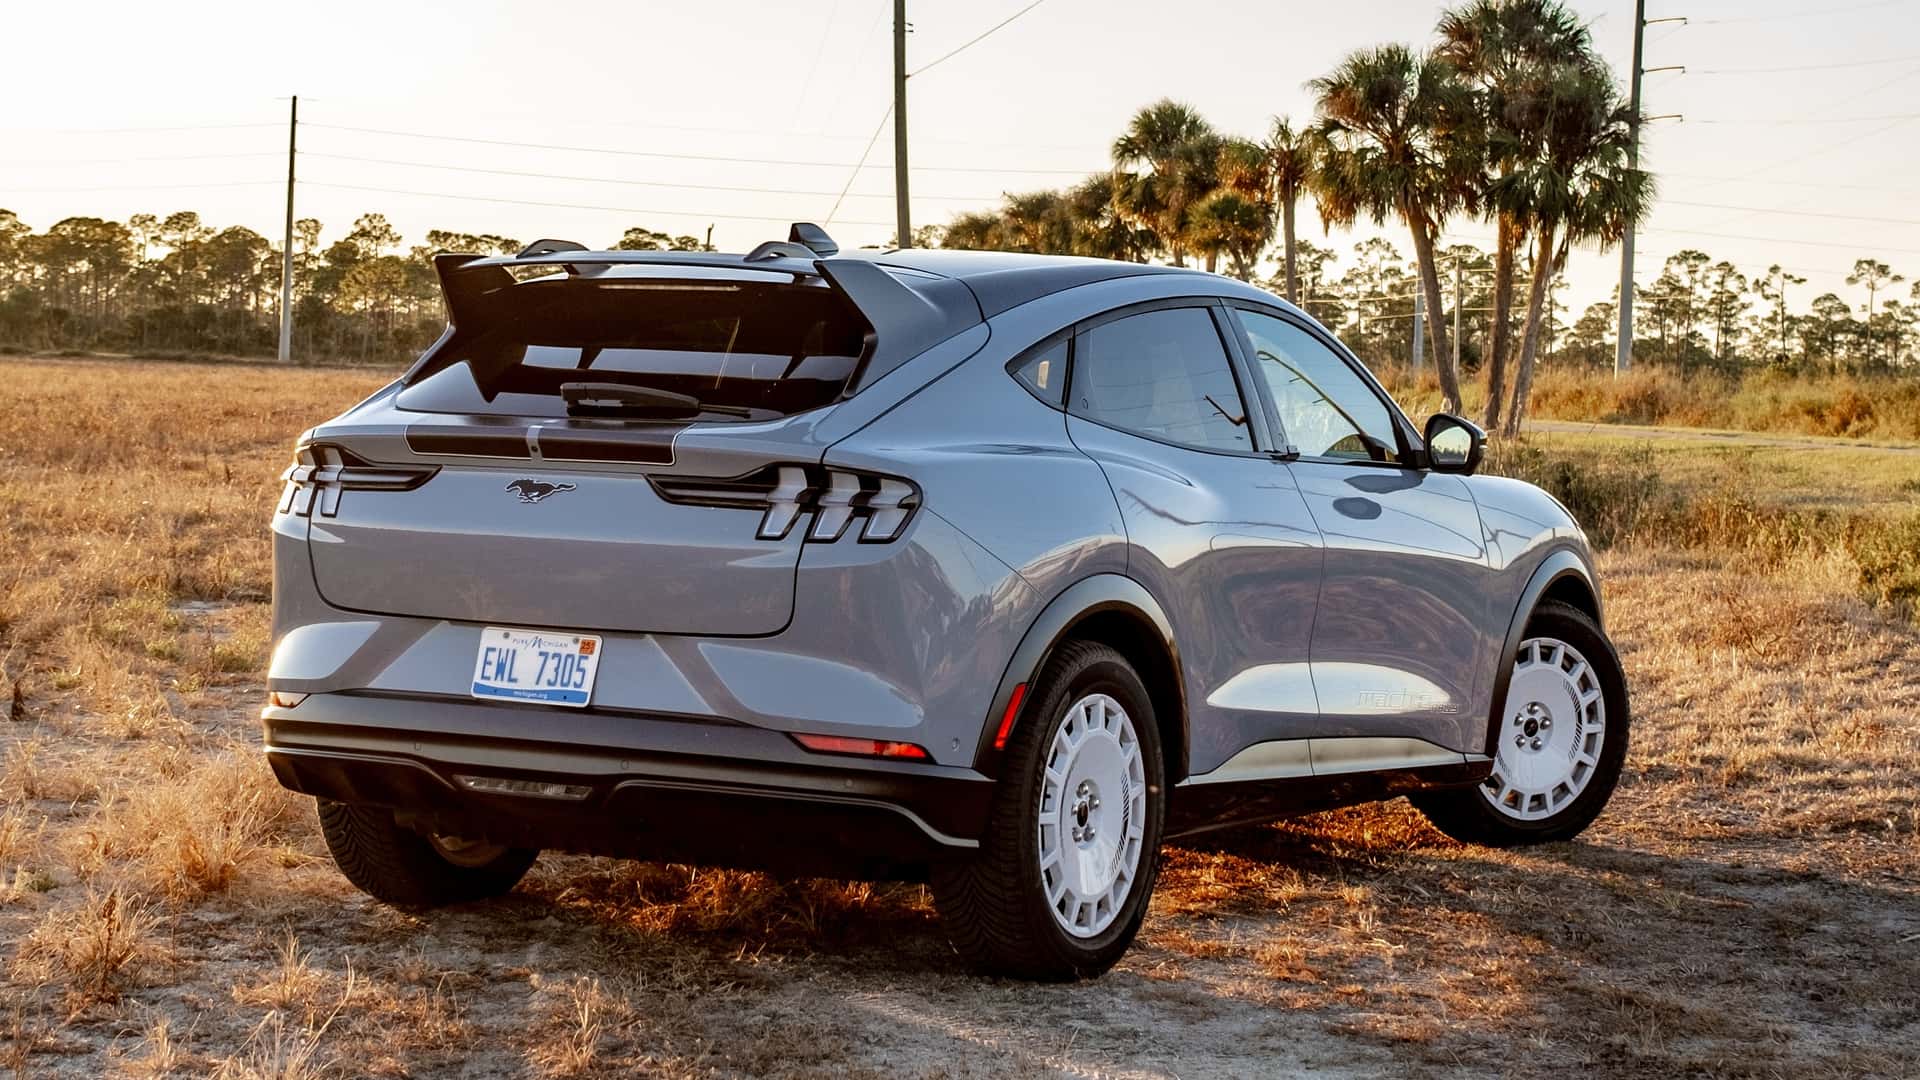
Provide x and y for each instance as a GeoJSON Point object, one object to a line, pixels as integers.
{"type": "Point", "coordinates": [837, 498]}
{"type": "Point", "coordinates": [320, 473]}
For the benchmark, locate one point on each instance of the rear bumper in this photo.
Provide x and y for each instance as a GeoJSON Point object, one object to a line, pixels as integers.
{"type": "Point", "coordinates": [644, 786]}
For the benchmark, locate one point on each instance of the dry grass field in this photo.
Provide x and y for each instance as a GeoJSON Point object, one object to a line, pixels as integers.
{"type": "Point", "coordinates": [1749, 906]}
{"type": "Point", "coordinates": [1867, 407]}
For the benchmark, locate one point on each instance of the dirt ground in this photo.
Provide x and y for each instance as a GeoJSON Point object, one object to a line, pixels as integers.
{"type": "Point", "coordinates": [1748, 906]}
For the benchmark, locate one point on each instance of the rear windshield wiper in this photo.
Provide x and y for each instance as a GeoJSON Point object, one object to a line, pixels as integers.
{"type": "Point", "coordinates": [619, 399]}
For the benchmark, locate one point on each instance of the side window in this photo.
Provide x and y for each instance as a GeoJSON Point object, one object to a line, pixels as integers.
{"type": "Point", "coordinates": [1326, 409]}
{"type": "Point", "coordinates": [1163, 374]}
{"type": "Point", "coordinates": [1043, 370]}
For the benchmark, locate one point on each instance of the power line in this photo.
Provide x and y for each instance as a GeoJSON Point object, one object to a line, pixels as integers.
{"type": "Point", "coordinates": [1807, 14]}
{"type": "Point", "coordinates": [971, 42]}
{"type": "Point", "coordinates": [144, 187]}
{"type": "Point", "coordinates": [696, 214]}
{"type": "Point", "coordinates": [1828, 120]}
{"type": "Point", "coordinates": [1849, 99]}
{"type": "Point", "coordinates": [1808, 67]}
{"type": "Point", "coordinates": [1789, 183]}
{"type": "Point", "coordinates": [130, 130]}
{"type": "Point", "coordinates": [1783, 240]}
{"type": "Point", "coordinates": [788, 133]}
{"type": "Point", "coordinates": [675, 156]}
{"type": "Point", "coordinates": [1795, 213]}
{"type": "Point", "coordinates": [57, 164]}
{"type": "Point", "coordinates": [877, 129]}
{"type": "Point", "coordinates": [615, 180]}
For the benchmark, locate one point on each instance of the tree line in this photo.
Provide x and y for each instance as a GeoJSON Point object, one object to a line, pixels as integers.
{"type": "Point", "coordinates": [175, 284]}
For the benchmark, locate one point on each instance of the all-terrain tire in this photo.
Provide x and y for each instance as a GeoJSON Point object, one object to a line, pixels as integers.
{"type": "Point", "coordinates": [394, 864]}
{"type": "Point", "coordinates": [1468, 814]}
{"type": "Point", "coordinates": [994, 906]}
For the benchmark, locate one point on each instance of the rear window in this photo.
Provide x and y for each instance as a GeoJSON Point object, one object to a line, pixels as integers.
{"type": "Point", "coordinates": [772, 349]}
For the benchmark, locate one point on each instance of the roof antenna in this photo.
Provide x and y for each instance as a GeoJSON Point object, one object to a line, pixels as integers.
{"type": "Point", "coordinates": [813, 238]}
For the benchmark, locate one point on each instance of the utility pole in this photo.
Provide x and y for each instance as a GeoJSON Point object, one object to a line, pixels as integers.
{"type": "Point", "coordinates": [286, 242]}
{"type": "Point", "coordinates": [1623, 348]}
{"type": "Point", "coordinates": [1459, 291]}
{"type": "Point", "coordinates": [903, 219]}
{"type": "Point", "coordinates": [1419, 328]}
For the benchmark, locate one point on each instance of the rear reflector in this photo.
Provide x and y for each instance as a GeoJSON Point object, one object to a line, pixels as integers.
{"type": "Point", "coordinates": [835, 744]}
{"type": "Point", "coordinates": [533, 789]}
{"type": "Point", "coordinates": [1006, 722]}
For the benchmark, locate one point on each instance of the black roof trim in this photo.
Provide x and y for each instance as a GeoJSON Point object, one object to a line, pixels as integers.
{"type": "Point", "coordinates": [1005, 280]}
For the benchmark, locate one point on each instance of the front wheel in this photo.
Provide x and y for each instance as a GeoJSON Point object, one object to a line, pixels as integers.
{"type": "Point", "coordinates": [1061, 882]}
{"type": "Point", "coordinates": [1560, 744]}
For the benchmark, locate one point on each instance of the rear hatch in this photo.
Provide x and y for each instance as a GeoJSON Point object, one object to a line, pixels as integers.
{"type": "Point", "coordinates": [475, 490]}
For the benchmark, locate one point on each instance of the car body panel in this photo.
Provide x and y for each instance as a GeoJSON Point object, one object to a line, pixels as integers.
{"type": "Point", "coordinates": [1227, 545]}
{"type": "Point", "coordinates": [1404, 623]}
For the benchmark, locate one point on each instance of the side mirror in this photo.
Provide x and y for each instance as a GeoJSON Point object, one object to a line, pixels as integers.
{"type": "Point", "coordinates": [1454, 443]}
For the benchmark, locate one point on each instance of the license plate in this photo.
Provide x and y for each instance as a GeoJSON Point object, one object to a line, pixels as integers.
{"type": "Point", "coordinates": [545, 666]}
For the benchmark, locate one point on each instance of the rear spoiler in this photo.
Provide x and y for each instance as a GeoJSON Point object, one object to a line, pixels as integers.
{"type": "Point", "coordinates": [905, 319]}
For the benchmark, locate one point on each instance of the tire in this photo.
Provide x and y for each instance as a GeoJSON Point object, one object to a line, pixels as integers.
{"type": "Point", "coordinates": [996, 907]}
{"type": "Point", "coordinates": [1524, 810]}
{"type": "Point", "coordinates": [398, 866]}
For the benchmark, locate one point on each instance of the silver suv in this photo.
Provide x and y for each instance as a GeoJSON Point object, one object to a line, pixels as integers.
{"type": "Point", "coordinates": [989, 570]}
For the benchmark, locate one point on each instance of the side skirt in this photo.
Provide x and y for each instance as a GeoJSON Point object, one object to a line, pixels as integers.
{"type": "Point", "coordinates": [1274, 780]}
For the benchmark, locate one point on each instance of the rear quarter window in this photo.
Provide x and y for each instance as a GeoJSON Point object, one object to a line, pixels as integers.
{"type": "Point", "coordinates": [1043, 370]}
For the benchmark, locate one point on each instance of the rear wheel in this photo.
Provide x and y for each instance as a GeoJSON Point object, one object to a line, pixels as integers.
{"type": "Point", "coordinates": [392, 863]}
{"type": "Point", "coordinates": [1061, 883]}
{"type": "Point", "coordinates": [1560, 745]}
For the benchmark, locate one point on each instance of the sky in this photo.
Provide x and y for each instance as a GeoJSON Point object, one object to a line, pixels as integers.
{"type": "Point", "coordinates": [1798, 143]}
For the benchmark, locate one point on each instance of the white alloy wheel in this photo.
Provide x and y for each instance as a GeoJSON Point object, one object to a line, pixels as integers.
{"type": "Point", "coordinates": [1549, 741]}
{"type": "Point", "coordinates": [1093, 813]}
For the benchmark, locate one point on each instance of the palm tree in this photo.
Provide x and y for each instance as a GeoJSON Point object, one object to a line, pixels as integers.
{"type": "Point", "coordinates": [1177, 145]}
{"type": "Point", "coordinates": [1235, 218]}
{"type": "Point", "coordinates": [1399, 138]}
{"type": "Point", "coordinates": [976, 230]}
{"type": "Point", "coordinates": [1231, 223]}
{"type": "Point", "coordinates": [1571, 183]}
{"type": "Point", "coordinates": [1292, 157]}
{"type": "Point", "coordinates": [1098, 227]}
{"type": "Point", "coordinates": [1503, 47]}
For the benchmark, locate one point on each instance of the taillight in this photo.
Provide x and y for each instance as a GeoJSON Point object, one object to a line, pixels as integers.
{"type": "Point", "coordinates": [837, 744]}
{"type": "Point", "coordinates": [321, 472]}
{"type": "Point", "coordinates": [876, 508]}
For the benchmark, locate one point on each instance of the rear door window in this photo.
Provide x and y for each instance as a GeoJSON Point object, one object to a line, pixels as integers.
{"type": "Point", "coordinates": [1163, 374]}
{"type": "Point", "coordinates": [770, 349]}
